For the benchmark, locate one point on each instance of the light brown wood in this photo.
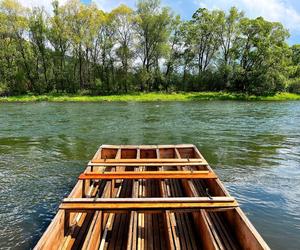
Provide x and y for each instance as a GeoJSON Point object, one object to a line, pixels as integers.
{"type": "Point", "coordinates": [148, 175]}
{"type": "Point", "coordinates": [146, 160]}
{"type": "Point", "coordinates": [206, 230]}
{"type": "Point", "coordinates": [111, 204]}
{"type": "Point", "coordinates": [148, 164]}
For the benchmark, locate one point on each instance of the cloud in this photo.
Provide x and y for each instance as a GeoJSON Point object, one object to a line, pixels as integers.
{"type": "Point", "coordinates": [272, 10]}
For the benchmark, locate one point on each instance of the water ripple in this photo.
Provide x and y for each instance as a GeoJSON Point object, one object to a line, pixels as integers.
{"type": "Point", "coordinates": [254, 147]}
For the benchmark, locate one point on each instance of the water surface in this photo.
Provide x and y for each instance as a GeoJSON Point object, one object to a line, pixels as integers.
{"type": "Point", "coordinates": [253, 146]}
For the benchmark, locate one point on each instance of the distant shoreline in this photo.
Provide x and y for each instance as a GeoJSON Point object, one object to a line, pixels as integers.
{"type": "Point", "coordinates": [150, 97]}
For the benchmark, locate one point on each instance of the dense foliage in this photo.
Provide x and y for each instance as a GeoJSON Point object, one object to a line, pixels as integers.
{"type": "Point", "coordinates": [80, 48]}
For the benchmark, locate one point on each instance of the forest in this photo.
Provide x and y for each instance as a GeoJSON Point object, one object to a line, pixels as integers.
{"type": "Point", "coordinates": [79, 48]}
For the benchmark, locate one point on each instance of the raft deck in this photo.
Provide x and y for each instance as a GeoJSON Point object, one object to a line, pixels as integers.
{"type": "Point", "coordinates": [150, 197]}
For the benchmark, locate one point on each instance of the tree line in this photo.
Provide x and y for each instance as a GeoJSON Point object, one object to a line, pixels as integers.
{"type": "Point", "coordinates": [81, 48]}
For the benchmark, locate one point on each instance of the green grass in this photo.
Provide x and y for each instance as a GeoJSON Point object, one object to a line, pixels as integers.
{"type": "Point", "coordinates": [145, 97]}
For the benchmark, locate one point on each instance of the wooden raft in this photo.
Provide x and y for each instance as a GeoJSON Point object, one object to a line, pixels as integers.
{"type": "Point", "coordinates": [150, 197]}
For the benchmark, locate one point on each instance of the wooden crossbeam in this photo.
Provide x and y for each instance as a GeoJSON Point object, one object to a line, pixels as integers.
{"type": "Point", "coordinates": [148, 160]}
{"type": "Point", "coordinates": [144, 204]}
{"type": "Point", "coordinates": [148, 175]}
{"type": "Point", "coordinates": [148, 164]}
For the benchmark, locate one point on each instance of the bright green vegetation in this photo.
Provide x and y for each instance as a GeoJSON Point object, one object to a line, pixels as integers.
{"type": "Point", "coordinates": [81, 48]}
{"type": "Point", "coordinates": [146, 97]}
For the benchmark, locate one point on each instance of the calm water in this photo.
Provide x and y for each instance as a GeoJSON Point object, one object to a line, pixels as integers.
{"type": "Point", "coordinates": [253, 146]}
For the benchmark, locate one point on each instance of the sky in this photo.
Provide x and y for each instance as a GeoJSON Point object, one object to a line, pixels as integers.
{"type": "Point", "coordinates": [285, 11]}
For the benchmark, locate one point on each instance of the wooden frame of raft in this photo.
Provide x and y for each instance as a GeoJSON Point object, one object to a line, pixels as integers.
{"type": "Point", "coordinates": [150, 197]}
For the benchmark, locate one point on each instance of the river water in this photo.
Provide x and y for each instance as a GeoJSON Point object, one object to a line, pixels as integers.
{"type": "Point", "coordinates": [253, 146]}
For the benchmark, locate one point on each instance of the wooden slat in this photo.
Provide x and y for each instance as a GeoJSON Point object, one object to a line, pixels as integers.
{"type": "Point", "coordinates": [112, 204]}
{"type": "Point", "coordinates": [148, 175]}
{"type": "Point", "coordinates": [147, 160]}
{"type": "Point", "coordinates": [94, 235]}
{"type": "Point", "coordinates": [148, 146]}
{"type": "Point", "coordinates": [133, 224]}
{"type": "Point", "coordinates": [149, 164]}
{"type": "Point", "coordinates": [172, 239]}
{"type": "Point", "coordinates": [201, 219]}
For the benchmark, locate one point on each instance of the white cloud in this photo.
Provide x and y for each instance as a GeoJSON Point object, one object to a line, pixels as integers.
{"type": "Point", "coordinates": [272, 10]}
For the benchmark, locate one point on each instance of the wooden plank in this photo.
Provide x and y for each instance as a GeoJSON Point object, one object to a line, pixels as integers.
{"type": "Point", "coordinates": [66, 222]}
{"type": "Point", "coordinates": [172, 240]}
{"type": "Point", "coordinates": [243, 229]}
{"type": "Point", "coordinates": [115, 204]}
{"type": "Point", "coordinates": [201, 219]}
{"type": "Point", "coordinates": [133, 230]}
{"type": "Point", "coordinates": [148, 164]}
{"type": "Point", "coordinates": [93, 237]}
{"type": "Point", "coordinates": [147, 160]}
{"type": "Point", "coordinates": [141, 219]}
{"type": "Point", "coordinates": [130, 231]}
{"type": "Point", "coordinates": [98, 154]}
{"type": "Point", "coordinates": [120, 225]}
{"type": "Point", "coordinates": [148, 175]}
{"type": "Point", "coordinates": [54, 235]}
{"type": "Point", "coordinates": [148, 146]}
{"type": "Point", "coordinates": [80, 222]}
{"type": "Point", "coordinates": [180, 220]}
{"type": "Point", "coordinates": [108, 227]}
{"type": "Point", "coordinates": [146, 200]}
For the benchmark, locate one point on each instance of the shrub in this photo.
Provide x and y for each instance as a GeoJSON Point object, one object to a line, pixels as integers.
{"type": "Point", "coordinates": [294, 85]}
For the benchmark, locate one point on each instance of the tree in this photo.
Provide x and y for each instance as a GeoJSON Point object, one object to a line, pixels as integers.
{"type": "Point", "coordinates": [295, 50]}
{"type": "Point", "coordinates": [123, 19]}
{"type": "Point", "coordinates": [77, 26]}
{"type": "Point", "coordinates": [153, 27]}
{"type": "Point", "coordinates": [293, 69]}
{"type": "Point", "coordinates": [58, 38]}
{"type": "Point", "coordinates": [229, 35]}
{"type": "Point", "coordinates": [38, 36]}
{"type": "Point", "coordinates": [187, 54]}
{"type": "Point", "coordinates": [262, 56]}
{"type": "Point", "coordinates": [174, 52]}
{"type": "Point", "coordinates": [79, 47]}
{"type": "Point", "coordinates": [15, 25]}
{"type": "Point", "coordinates": [106, 35]}
{"type": "Point", "coordinates": [94, 21]}
{"type": "Point", "coordinates": [205, 37]}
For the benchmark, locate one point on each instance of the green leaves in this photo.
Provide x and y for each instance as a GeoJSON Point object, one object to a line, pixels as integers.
{"type": "Point", "coordinates": [153, 28]}
{"type": "Point", "coordinates": [262, 55]}
{"type": "Point", "coordinates": [80, 47]}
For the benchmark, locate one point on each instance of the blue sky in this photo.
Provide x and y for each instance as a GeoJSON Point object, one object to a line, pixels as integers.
{"type": "Point", "coordinates": [284, 11]}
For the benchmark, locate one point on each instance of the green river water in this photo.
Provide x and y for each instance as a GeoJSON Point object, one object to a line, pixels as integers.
{"type": "Point", "coordinates": [253, 146]}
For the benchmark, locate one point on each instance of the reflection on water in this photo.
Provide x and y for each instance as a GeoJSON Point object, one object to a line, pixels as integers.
{"type": "Point", "coordinates": [254, 147]}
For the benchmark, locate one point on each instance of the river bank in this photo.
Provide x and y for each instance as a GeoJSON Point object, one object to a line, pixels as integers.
{"type": "Point", "coordinates": [155, 96]}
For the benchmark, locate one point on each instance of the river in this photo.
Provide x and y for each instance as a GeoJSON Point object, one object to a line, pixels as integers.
{"type": "Point", "coordinates": [253, 146]}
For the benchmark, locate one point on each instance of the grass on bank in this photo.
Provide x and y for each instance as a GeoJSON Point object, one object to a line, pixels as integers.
{"type": "Point", "coordinates": [145, 97]}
